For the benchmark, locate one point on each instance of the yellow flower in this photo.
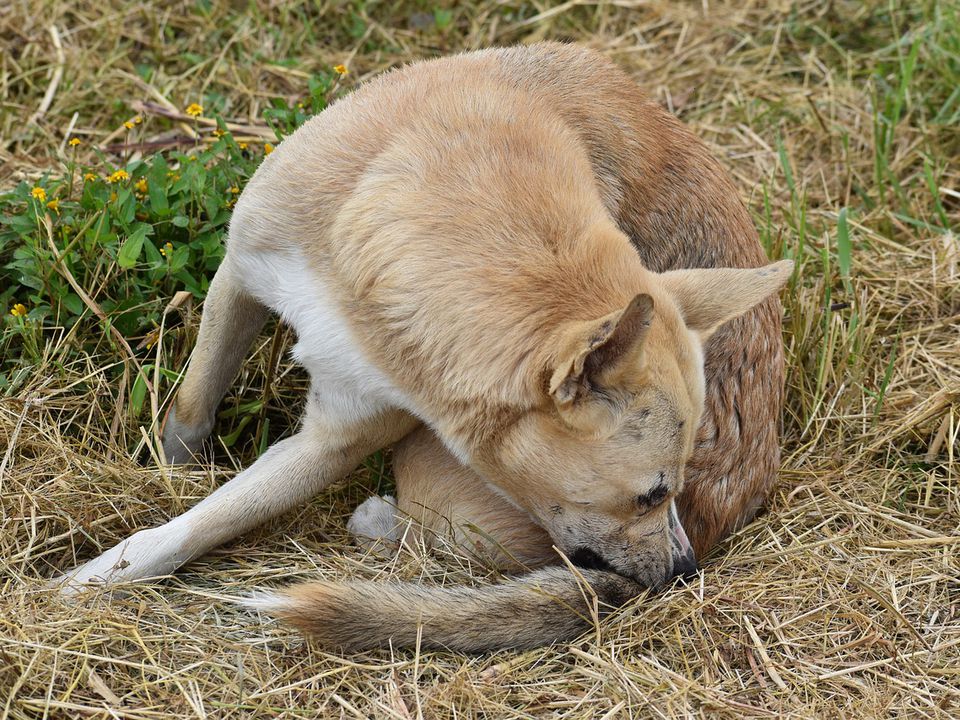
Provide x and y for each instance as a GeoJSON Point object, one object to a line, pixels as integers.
{"type": "Point", "coordinates": [74, 142]}
{"type": "Point", "coordinates": [235, 190]}
{"type": "Point", "coordinates": [340, 69]}
{"type": "Point", "coordinates": [39, 193]}
{"type": "Point", "coordinates": [141, 185]}
{"type": "Point", "coordinates": [18, 310]}
{"type": "Point", "coordinates": [118, 176]}
{"type": "Point", "coordinates": [173, 176]}
{"type": "Point", "coordinates": [89, 177]}
{"type": "Point", "coordinates": [137, 120]}
{"type": "Point", "coordinates": [219, 133]}
{"type": "Point", "coordinates": [194, 110]}
{"type": "Point", "coordinates": [242, 146]}
{"type": "Point", "coordinates": [267, 148]}
{"type": "Point", "coordinates": [54, 205]}
{"type": "Point", "coordinates": [128, 125]}
{"type": "Point", "coordinates": [166, 249]}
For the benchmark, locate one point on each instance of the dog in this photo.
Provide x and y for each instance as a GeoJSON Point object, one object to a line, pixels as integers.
{"type": "Point", "coordinates": [456, 247]}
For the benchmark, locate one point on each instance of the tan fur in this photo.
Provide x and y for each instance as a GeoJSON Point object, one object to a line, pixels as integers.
{"type": "Point", "coordinates": [459, 241]}
{"type": "Point", "coordinates": [448, 500]}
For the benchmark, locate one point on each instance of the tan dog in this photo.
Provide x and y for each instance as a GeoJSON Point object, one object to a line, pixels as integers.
{"type": "Point", "coordinates": [455, 244]}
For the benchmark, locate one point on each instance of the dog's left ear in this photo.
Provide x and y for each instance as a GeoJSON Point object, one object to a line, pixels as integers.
{"type": "Point", "coordinates": [707, 298]}
{"type": "Point", "coordinates": [591, 357]}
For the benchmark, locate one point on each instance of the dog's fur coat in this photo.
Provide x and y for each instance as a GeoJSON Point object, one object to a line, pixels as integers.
{"type": "Point", "coordinates": [457, 243]}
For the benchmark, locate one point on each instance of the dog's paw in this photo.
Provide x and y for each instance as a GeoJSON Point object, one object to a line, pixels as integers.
{"type": "Point", "coordinates": [375, 522]}
{"type": "Point", "coordinates": [145, 554]}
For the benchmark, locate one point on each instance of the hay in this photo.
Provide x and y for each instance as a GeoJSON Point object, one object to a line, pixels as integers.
{"type": "Point", "coordinates": [842, 599]}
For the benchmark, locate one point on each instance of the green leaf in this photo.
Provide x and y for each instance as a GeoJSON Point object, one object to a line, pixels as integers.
{"type": "Point", "coordinates": [139, 392]}
{"type": "Point", "coordinates": [126, 206]}
{"type": "Point", "coordinates": [73, 304]}
{"type": "Point", "coordinates": [158, 199]}
{"type": "Point", "coordinates": [130, 250]}
{"type": "Point", "coordinates": [180, 258]}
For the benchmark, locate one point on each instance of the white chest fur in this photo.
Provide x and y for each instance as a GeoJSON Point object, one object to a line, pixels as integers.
{"type": "Point", "coordinates": [347, 387]}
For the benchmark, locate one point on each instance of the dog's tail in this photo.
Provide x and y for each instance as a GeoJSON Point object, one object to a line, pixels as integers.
{"type": "Point", "coordinates": [546, 606]}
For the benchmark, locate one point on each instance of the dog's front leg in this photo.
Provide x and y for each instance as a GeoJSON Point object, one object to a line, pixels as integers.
{"type": "Point", "coordinates": [289, 473]}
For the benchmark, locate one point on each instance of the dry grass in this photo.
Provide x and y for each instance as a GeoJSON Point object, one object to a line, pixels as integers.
{"type": "Point", "coordinates": [842, 600]}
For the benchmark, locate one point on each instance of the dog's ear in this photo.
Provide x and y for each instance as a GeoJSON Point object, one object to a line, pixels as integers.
{"type": "Point", "coordinates": [708, 298]}
{"type": "Point", "coordinates": [590, 356]}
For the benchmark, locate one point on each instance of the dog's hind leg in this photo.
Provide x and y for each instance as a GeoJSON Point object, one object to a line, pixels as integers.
{"type": "Point", "coordinates": [287, 475]}
{"type": "Point", "coordinates": [449, 502]}
{"type": "Point", "coordinates": [231, 320]}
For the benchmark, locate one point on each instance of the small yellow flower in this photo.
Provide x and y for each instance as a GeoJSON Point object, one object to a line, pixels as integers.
{"type": "Point", "coordinates": [137, 120]}
{"type": "Point", "coordinates": [267, 148]}
{"type": "Point", "coordinates": [194, 110]}
{"type": "Point", "coordinates": [141, 185]}
{"type": "Point", "coordinates": [300, 106]}
{"type": "Point", "coordinates": [39, 193]}
{"type": "Point", "coordinates": [113, 197]}
{"type": "Point", "coordinates": [166, 249]}
{"type": "Point", "coordinates": [128, 125]}
{"type": "Point", "coordinates": [173, 176]}
{"type": "Point", "coordinates": [340, 69]}
{"type": "Point", "coordinates": [54, 205]}
{"type": "Point", "coordinates": [242, 146]}
{"type": "Point", "coordinates": [18, 310]}
{"type": "Point", "coordinates": [89, 177]}
{"type": "Point", "coordinates": [74, 142]}
{"type": "Point", "coordinates": [235, 190]}
{"type": "Point", "coordinates": [219, 133]}
{"type": "Point", "coordinates": [118, 176]}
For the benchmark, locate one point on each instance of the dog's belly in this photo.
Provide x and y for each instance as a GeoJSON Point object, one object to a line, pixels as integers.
{"type": "Point", "coordinates": [346, 385]}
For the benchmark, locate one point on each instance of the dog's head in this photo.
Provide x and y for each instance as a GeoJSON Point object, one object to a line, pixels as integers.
{"type": "Point", "coordinates": [600, 460]}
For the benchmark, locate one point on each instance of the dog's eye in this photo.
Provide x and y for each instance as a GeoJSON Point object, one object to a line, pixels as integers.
{"type": "Point", "coordinates": [652, 498]}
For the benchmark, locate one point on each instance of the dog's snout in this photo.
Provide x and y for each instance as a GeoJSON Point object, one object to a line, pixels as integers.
{"type": "Point", "coordinates": [586, 558]}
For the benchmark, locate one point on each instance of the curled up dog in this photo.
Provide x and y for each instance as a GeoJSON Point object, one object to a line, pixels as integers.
{"type": "Point", "coordinates": [514, 260]}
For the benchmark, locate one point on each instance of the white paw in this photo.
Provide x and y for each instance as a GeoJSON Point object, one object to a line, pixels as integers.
{"type": "Point", "coordinates": [374, 521]}
{"type": "Point", "coordinates": [145, 554]}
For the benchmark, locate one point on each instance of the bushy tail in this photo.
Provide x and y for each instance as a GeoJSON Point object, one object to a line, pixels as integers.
{"type": "Point", "coordinates": [546, 606]}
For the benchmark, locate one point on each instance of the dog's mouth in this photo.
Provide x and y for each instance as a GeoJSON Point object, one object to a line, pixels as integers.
{"type": "Point", "coordinates": [586, 558]}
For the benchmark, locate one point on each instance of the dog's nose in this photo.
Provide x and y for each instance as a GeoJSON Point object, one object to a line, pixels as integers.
{"type": "Point", "coordinates": [685, 566]}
